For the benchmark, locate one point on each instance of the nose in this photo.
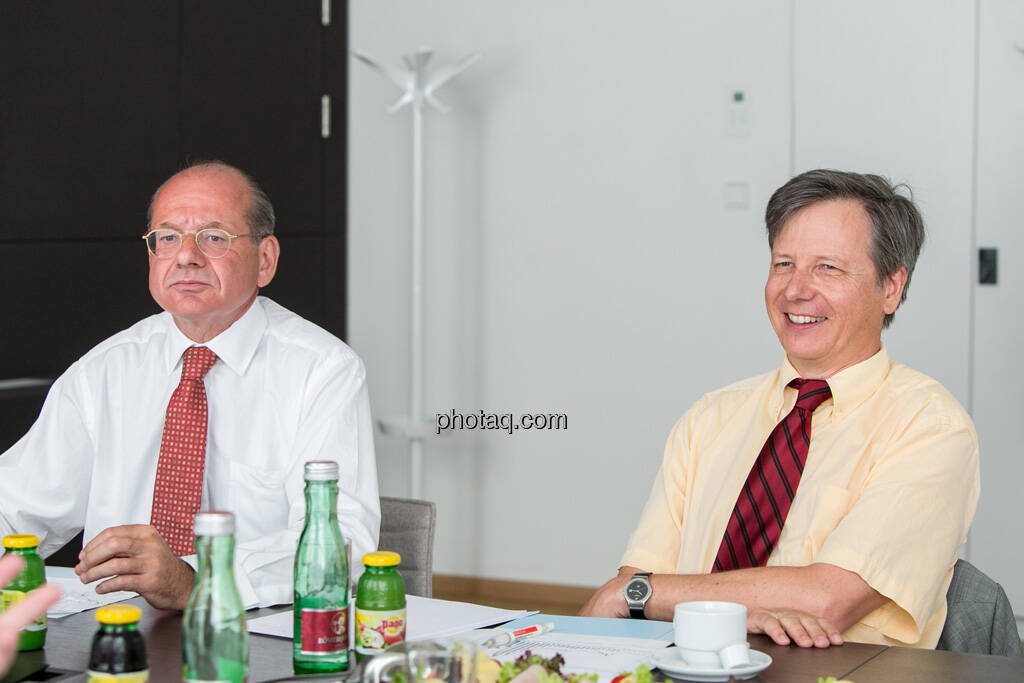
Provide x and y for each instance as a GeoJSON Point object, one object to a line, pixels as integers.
{"type": "Point", "coordinates": [189, 253]}
{"type": "Point", "coordinates": [799, 285]}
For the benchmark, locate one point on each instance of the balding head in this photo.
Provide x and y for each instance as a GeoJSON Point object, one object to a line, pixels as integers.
{"type": "Point", "coordinates": [259, 212]}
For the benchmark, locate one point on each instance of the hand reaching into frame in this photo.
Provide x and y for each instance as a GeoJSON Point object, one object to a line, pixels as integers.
{"type": "Point", "coordinates": [22, 613]}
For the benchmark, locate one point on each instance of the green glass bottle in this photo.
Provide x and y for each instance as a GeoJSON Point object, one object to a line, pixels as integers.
{"type": "Point", "coordinates": [214, 640]}
{"type": "Point", "coordinates": [380, 603]}
{"type": "Point", "coordinates": [118, 649]}
{"type": "Point", "coordinates": [32, 576]}
{"type": "Point", "coordinates": [320, 643]}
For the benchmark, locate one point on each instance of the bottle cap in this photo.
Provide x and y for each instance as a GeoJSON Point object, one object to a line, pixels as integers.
{"type": "Point", "coordinates": [215, 524]}
{"type": "Point", "coordinates": [118, 614]}
{"type": "Point", "coordinates": [382, 558]}
{"type": "Point", "coordinates": [321, 470]}
{"type": "Point", "coordinates": [21, 541]}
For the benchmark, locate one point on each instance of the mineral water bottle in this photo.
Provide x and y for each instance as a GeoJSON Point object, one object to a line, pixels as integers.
{"type": "Point", "coordinates": [214, 641]}
{"type": "Point", "coordinates": [32, 576]}
{"type": "Point", "coordinates": [320, 643]}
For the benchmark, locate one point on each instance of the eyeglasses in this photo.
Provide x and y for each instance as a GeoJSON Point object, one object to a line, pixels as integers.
{"type": "Point", "coordinates": [213, 242]}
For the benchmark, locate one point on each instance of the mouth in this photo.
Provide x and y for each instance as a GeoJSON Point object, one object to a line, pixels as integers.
{"type": "Point", "coordinates": [805, 319]}
{"type": "Point", "coordinates": [188, 284]}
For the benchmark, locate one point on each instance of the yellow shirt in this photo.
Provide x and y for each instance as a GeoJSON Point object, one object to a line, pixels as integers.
{"type": "Point", "coordinates": [888, 491]}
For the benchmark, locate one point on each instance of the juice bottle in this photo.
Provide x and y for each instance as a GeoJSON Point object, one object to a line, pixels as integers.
{"type": "Point", "coordinates": [118, 650]}
{"type": "Point", "coordinates": [380, 603]}
{"type": "Point", "coordinates": [32, 576]}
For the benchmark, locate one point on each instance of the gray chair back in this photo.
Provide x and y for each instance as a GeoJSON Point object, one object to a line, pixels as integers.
{"type": "Point", "coordinates": [407, 527]}
{"type": "Point", "coordinates": [979, 618]}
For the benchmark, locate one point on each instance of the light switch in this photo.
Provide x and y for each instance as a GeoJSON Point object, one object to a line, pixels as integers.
{"type": "Point", "coordinates": [737, 123]}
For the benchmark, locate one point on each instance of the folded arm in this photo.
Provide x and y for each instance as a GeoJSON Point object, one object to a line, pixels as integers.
{"type": "Point", "coordinates": [811, 605]}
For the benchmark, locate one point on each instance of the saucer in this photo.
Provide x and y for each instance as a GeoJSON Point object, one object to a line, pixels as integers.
{"type": "Point", "coordinates": [669, 661]}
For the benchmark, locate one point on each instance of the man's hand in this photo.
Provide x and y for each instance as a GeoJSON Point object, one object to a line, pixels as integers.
{"type": "Point", "coordinates": [139, 560]}
{"type": "Point", "coordinates": [22, 613]}
{"type": "Point", "coordinates": [782, 624]}
{"type": "Point", "coordinates": [609, 601]}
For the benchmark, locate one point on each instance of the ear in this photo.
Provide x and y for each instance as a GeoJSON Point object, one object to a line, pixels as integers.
{"type": "Point", "coordinates": [269, 250]}
{"type": "Point", "coordinates": [893, 290]}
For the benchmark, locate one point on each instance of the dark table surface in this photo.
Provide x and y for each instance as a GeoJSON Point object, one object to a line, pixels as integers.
{"type": "Point", "coordinates": [68, 641]}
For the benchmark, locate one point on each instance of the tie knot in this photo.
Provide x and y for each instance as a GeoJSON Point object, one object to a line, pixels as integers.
{"type": "Point", "coordinates": [198, 361]}
{"type": "Point", "coordinates": [812, 393]}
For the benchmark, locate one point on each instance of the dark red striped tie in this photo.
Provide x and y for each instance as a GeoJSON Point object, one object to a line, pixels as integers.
{"type": "Point", "coordinates": [763, 504]}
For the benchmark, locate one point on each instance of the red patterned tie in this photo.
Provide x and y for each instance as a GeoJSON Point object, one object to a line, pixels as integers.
{"type": "Point", "coordinates": [764, 502]}
{"type": "Point", "coordinates": [179, 471]}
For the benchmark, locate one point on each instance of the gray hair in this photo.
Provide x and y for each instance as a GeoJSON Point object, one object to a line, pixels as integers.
{"type": "Point", "coordinates": [897, 229]}
{"type": "Point", "coordinates": [259, 214]}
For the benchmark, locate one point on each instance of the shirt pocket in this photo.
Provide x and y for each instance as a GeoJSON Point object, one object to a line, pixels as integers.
{"type": "Point", "coordinates": [257, 497]}
{"type": "Point", "coordinates": [810, 523]}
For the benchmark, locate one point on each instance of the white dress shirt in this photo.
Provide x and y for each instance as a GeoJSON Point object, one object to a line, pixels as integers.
{"type": "Point", "coordinates": [283, 392]}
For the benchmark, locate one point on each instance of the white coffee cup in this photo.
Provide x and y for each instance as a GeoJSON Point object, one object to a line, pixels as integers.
{"type": "Point", "coordinates": [712, 634]}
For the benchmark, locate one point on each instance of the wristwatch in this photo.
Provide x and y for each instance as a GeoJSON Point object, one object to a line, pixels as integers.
{"type": "Point", "coordinates": [638, 592]}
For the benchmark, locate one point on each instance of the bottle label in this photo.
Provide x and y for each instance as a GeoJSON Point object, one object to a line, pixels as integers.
{"type": "Point", "coordinates": [378, 629]}
{"type": "Point", "coordinates": [9, 598]}
{"type": "Point", "coordinates": [324, 630]}
{"type": "Point", "coordinates": [131, 677]}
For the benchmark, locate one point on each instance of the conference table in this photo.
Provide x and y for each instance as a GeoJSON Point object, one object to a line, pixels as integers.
{"type": "Point", "coordinates": [69, 639]}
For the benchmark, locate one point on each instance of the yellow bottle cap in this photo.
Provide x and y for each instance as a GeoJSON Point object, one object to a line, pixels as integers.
{"type": "Point", "coordinates": [382, 558]}
{"type": "Point", "coordinates": [21, 541]}
{"type": "Point", "coordinates": [118, 614]}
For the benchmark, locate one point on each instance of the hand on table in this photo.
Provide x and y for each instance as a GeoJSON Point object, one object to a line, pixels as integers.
{"type": "Point", "coordinates": [23, 612]}
{"type": "Point", "coordinates": [139, 560]}
{"type": "Point", "coordinates": [782, 625]}
{"type": "Point", "coordinates": [608, 601]}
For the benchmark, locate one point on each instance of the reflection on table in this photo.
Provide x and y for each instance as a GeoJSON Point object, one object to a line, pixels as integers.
{"type": "Point", "coordinates": [69, 639]}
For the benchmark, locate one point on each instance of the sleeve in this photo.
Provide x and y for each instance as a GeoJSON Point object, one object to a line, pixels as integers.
{"type": "Point", "coordinates": [654, 545]}
{"type": "Point", "coordinates": [45, 476]}
{"type": "Point", "coordinates": [335, 425]}
{"type": "Point", "coordinates": [903, 532]}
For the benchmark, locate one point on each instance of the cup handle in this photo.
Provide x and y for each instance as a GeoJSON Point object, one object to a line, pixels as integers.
{"type": "Point", "coordinates": [737, 654]}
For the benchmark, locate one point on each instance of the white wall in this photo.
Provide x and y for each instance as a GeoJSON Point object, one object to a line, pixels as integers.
{"type": "Point", "coordinates": [998, 362]}
{"type": "Point", "coordinates": [580, 256]}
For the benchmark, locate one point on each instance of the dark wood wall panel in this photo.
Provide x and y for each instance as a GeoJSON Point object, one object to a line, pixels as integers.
{"type": "Point", "coordinates": [88, 114]}
{"type": "Point", "coordinates": [251, 72]}
{"type": "Point", "coordinates": [71, 296]}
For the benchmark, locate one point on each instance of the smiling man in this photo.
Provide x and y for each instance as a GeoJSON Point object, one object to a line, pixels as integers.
{"type": "Point", "coordinates": [832, 495]}
{"type": "Point", "coordinates": [216, 403]}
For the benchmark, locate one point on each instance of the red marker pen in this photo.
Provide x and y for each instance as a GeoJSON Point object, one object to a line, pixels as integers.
{"type": "Point", "coordinates": [505, 637]}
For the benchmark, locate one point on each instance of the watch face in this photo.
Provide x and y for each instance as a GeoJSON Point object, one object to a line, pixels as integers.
{"type": "Point", "coordinates": [636, 590]}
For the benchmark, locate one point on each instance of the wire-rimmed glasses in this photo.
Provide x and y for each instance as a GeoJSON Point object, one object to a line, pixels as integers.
{"type": "Point", "coordinates": [213, 242]}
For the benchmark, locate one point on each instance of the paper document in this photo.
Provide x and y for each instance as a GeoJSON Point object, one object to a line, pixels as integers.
{"type": "Point", "coordinates": [601, 626]}
{"type": "Point", "coordinates": [76, 596]}
{"type": "Point", "coordinates": [607, 656]}
{"type": "Point", "coordinates": [426, 618]}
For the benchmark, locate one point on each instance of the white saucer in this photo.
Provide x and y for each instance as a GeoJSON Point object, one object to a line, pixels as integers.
{"type": "Point", "coordinates": [669, 661]}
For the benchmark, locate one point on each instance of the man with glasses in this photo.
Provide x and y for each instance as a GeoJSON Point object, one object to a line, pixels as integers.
{"type": "Point", "coordinates": [831, 495]}
{"type": "Point", "coordinates": [216, 403]}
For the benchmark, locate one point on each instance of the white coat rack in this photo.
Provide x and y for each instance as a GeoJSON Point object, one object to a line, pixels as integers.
{"type": "Point", "coordinates": [417, 90]}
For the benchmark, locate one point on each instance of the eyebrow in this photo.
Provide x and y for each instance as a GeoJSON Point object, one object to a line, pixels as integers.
{"type": "Point", "coordinates": [819, 257]}
{"type": "Point", "coordinates": [173, 226]}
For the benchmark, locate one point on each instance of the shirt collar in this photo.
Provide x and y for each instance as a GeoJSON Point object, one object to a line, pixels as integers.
{"type": "Point", "coordinates": [235, 346]}
{"type": "Point", "coordinates": [850, 387]}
